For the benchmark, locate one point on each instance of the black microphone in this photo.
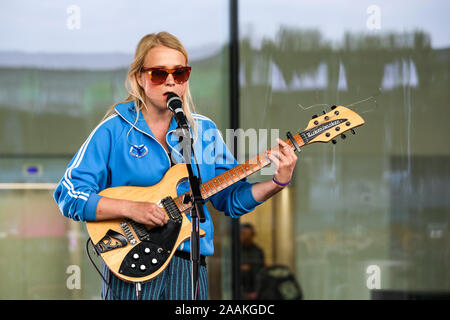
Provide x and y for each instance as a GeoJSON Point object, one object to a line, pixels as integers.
{"type": "Point", "coordinates": [175, 104]}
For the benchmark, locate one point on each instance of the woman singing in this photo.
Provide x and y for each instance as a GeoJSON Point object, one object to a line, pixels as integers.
{"type": "Point", "coordinates": [135, 145]}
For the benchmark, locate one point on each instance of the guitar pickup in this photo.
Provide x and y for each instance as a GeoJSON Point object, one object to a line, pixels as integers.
{"type": "Point", "coordinates": [110, 241]}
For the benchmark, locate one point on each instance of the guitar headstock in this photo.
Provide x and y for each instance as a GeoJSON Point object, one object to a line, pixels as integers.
{"type": "Point", "coordinates": [326, 127]}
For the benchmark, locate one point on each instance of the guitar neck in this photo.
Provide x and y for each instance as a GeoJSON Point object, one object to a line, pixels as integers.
{"type": "Point", "coordinates": [234, 175]}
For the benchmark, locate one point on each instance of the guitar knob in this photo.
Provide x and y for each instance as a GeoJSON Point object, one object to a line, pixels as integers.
{"type": "Point", "coordinates": [147, 250]}
{"type": "Point", "coordinates": [133, 265]}
{"type": "Point", "coordinates": [314, 116]}
{"type": "Point", "coordinates": [135, 256]}
{"type": "Point", "coordinates": [343, 136]}
{"type": "Point", "coordinates": [142, 267]}
{"type": "Point", "coordinates": [334, 141]}
{"type": "Point", "coordinates": [154, 261]}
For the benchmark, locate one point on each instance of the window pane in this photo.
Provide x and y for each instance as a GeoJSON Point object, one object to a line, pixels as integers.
{"type": "Point", "coordinates": [62, 66]}
{"type": "Point", "coordinates": [370, 212]}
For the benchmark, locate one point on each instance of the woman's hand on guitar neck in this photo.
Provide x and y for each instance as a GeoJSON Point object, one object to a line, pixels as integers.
{"type": "Point", "coordinates": [284, 159]}
{"type": "Point", "coordinates": [147, 213]}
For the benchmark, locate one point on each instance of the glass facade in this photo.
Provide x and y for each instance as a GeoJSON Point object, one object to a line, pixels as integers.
{"type": "Point", "coordinates": [370, 212]}
{"type": "Point", "coordinates": [55, 88]}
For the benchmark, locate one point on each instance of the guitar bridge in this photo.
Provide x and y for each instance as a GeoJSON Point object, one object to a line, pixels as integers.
{"type": "Point", "coordinates": [126, 228]}
{"type": "Point", "coordinates": [140, 230]}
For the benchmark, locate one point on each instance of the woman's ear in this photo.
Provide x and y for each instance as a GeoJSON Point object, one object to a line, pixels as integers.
{"type": "Point", "coordinates": [138, 77]}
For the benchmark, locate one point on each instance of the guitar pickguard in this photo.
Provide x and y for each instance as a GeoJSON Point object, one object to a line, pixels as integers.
{"type": "Point", "coordinates": [110, 241]}
{"type": "Point", "coordinates": [149, 255]}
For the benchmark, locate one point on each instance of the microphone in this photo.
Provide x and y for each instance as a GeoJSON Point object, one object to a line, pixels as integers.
{"type": "Point", "coordinates": [175, 104]}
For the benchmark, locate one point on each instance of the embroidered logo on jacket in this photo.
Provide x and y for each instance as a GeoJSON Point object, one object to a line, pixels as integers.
{"type": "Point", "coordinates": [138, 151]}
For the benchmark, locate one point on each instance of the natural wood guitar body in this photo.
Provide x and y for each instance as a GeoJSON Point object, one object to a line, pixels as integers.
{"type": "Point", "coordinates": [166, 187]}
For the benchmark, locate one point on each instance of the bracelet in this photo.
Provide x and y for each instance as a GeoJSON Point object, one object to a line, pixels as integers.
{"type": "Point", "coordinates": [281, 184]}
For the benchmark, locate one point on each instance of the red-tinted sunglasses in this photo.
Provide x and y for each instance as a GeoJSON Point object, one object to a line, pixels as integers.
{"type": "Point", "coordinates": [159, 75]}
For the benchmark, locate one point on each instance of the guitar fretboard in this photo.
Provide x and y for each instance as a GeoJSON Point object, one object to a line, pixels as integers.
{"type": "Point", "coordinates": [241, 171]}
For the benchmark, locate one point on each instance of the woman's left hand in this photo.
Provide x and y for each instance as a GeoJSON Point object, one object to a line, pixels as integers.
{"type": "Point", "coordinates": [284, 159]}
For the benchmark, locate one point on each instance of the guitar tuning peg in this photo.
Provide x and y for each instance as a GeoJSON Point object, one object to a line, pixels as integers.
{"type": "Point", "coordinates": [334, 141]}
{"type": "Point", "coordinates": [353, 131]}
{"type": "Point", "coordinates": [324, 112]}
{"type": "Point", "coordinates": [333, 107]}
{"type": "Point", "coordinates": [314, 116]}
{"type": "Point", "coordinates": [343, 136]}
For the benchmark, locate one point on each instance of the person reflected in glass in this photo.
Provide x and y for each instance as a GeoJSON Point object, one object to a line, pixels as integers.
{"type": "Point", "coordinates": [252, 261]}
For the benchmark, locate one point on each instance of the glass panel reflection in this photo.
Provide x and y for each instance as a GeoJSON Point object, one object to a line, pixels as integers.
{"type": "Point", "coordinates": [57, 80]}
{"type": "Point", "coordinates": [370, 212]}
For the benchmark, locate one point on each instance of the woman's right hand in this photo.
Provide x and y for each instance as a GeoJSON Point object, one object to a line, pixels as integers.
{"type": "Point", "coordinates": [147, 213]}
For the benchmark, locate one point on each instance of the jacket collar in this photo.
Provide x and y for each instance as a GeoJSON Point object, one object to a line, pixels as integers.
{"type": "Point", "coordinates": [127, 111]}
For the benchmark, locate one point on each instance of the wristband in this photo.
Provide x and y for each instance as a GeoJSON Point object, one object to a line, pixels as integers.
{"type": "Point", "coordinates": [281, 184]}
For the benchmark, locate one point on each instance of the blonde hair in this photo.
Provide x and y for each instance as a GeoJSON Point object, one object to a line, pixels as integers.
{"type": "Point", "coordinates": [135, 92]}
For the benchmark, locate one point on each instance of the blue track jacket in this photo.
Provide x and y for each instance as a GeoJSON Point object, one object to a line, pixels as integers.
{"type": "Point", "coordinates": [118, 154]}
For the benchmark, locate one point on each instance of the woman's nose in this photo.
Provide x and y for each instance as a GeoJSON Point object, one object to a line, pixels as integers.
{"type": "Point", "coordinates": [170, 80]}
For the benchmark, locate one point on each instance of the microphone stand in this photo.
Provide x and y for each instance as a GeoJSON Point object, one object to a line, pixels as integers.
{"type": "Point", "coordinates": [196, 212]}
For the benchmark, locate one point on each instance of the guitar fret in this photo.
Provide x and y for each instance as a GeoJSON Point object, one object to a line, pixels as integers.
{"type": "Point", "coordinates": [207, 191]}
{"type": "Point", "coordinates": [214, 182]}
{"type": "Point", "coordinates": [179, 202]}
{"type": "Point", "coordinates": [254, 164]}
{"type": "Point", "coordinates": [213, 186]}
{"type": "Point", "coordinates": [228, 179]}
{"type": "Point", "coordinates": [265, 161]}
{"type": "Point", "coordinates": [231, 178]}
{"type": "Point", "coordinates": [203, 191]}
{"type": "Point", "coordinates": [234, 174]}
{"type": "Point", "coordinates": [223, 180]}
{"type": "Point", "coordinates": [260, 158]}
{"type": "Point", "coordinates": [239, 168]}
{"type": "Point", "coordinates": [247, 168]}
{"type": "Point", "coordinates": [210, 190]}
{"type": "Point", "coordinates": [217, 183]}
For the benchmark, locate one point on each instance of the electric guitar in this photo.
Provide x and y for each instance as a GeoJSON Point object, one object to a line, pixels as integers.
{"type": "Point", "coordinates": [137, 253]}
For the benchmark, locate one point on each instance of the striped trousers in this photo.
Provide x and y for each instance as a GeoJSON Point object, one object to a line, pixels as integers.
{"type": "Point", "coordinates": [174, 283]}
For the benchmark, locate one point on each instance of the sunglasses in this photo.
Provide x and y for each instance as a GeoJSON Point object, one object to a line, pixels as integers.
{"type": "Point", "coordinates": [159, 75]}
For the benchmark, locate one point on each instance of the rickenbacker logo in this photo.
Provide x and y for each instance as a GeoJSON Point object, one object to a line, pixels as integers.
{"type": "Point", "coordinates": [310, 134]}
